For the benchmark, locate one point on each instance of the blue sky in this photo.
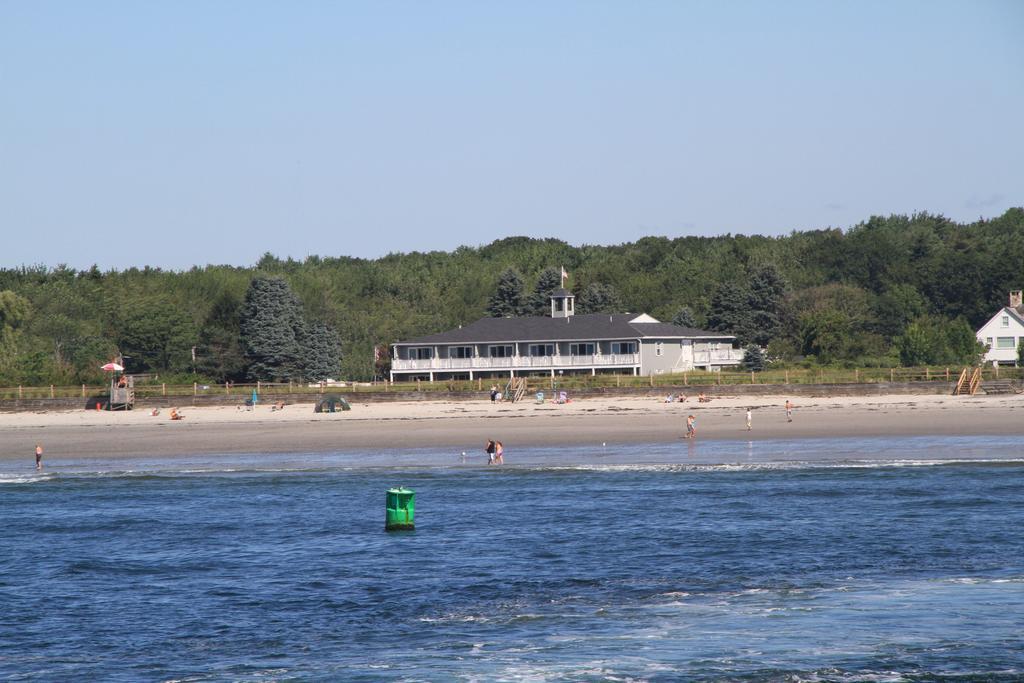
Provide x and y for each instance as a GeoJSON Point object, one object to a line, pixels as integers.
{"type": "Point", "coordinates": [187, 133]}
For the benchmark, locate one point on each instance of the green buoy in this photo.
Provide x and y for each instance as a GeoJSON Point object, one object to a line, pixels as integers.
{"type": "Point", "coordinates": [401, 510]}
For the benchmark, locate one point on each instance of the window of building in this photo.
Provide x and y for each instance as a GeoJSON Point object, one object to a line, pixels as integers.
{"type": "Point", "coordinates": [460, 352]}
{"type": "Point", "coordinates": [542, 349]}
{"type": "Point", "coordinates": [988, 342]}
{"type": "Point", "coordinates": [623, 347]}
{"type": "Point", "coordinates": [1005, 343]}
{"type": "Point", "coordinates": [581, 349]}
{"type": "Point", "coordinates": [558, 304]}
{"type": "Point", "coordinates": [421, 353]}
{"type": "Point", "coordinates": [659, 348]}
{"type": "Point", "coordinates": [1006, 321]}
{"type": "Point", "coordinates": [503, 351]}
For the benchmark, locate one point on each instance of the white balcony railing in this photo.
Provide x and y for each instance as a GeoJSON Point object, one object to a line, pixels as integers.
{"type": "Point", "coordinates": [516, 362]}
{"type": "Point", "coordinates": [717, 356]}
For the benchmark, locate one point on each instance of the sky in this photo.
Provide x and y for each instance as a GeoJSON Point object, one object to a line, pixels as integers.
{"type": "Point", "coordinates": [180, 134]}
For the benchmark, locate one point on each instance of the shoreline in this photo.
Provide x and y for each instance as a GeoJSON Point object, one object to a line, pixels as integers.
{"type": "Point", "coordinates": [466, 426]}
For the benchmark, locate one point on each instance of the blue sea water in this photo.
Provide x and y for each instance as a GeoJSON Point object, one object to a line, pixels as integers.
{"type": "Point", "coordinates": [842, 560]}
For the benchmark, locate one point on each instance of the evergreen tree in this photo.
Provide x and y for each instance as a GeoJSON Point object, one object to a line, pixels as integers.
{"type": "Point", "coordinates": [598, 298]}
{"type": "Point", "coordinates": [730, 312]}
{"type": "Point", "coordinates": [322, 349]}
{"type": "Point", "coordinates": [539, 302]}
{"type": "Point", "coordinates": [767, 291]}
{"type": "Point", "coordinates": [1020, 353]}
{"type": "Point", "coordinates": [507, 300]}
{"type": "Point", "coordinates": [685, 318]}
{"type": "Point", "coordinates": [753, 358]}
{"type": "Point", "coordinates": [271, 330]}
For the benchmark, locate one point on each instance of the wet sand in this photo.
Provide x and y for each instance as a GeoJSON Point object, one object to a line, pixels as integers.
{"type": "Point", "coordinates": [467, 425]}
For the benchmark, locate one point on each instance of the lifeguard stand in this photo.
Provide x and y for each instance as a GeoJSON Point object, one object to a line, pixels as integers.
{"type": "Point", "coordinates": [122, 397]}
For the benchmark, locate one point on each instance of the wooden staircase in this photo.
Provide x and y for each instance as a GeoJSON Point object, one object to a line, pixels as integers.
{"type": "Point", "coordinates": [969, 382]}
{"type": "Point", "coordinates": [515, 389]}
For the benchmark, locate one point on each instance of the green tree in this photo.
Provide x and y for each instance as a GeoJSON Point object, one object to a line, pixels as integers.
{"type": "Point", "coordinates": [1020, 354]}
{"type": "Point", "coordinates": [730, 311]}
{"type": "Point", "coordinates": [767, 292]}
{"type": "Point", "coordinates": [539, 301]}
{"type": "Point", "coordinates": [272, 326]}
{"type": "Point", "coordinates": [916, 346]}
{"type": "Point", "coordinates": [961, 344]}
{"type": "Point", "coordinates": [156, 335]}
{"type": "Point", "coordinates": [753, 358]}
{"type": "Point", "coordinates": [15, 311]}
{"type": "Point", "coordinates": [685, 318]}
{"type": "Point", "coordinates": [896, 307]}
{"type": "Point", "coordinates": [219, 352]}
{"type": "Point", "coordinates": [935, 340]}
{"type": "Point", "coordinates": [598, 298]}
{"type": "Point", "coordinates": [322, 352]}
{"type": "Point", "coordinates": [507, 300]}
{"type": "Point", "coordinates": [825, 334]}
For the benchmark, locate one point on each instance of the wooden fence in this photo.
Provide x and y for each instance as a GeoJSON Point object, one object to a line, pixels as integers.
{"type": "Point", "coordinates": [538, 382]}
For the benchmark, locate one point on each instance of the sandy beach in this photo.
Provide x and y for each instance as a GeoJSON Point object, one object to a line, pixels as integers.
{"type": "Point", "coordinates": [467, 425]}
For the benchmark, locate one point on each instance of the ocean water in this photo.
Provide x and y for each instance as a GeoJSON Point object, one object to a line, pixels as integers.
{"type": "Point", "coordinates": [832, 560]}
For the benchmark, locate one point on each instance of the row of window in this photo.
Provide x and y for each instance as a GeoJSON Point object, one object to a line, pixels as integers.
{"type": "Point", "coordinates": [1001, 343]}
{"type": "Point", "coordinates": [508, 350]}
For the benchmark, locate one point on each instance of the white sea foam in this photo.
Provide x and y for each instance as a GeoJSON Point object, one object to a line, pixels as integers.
{"type": "Point", "coordinates": [33, 478]}
{"type": "Point", "coordinates": [780, 465]}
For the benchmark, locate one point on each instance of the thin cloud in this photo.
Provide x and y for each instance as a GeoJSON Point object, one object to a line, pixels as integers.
{"type": "Point", "coordinates": [984, 203]}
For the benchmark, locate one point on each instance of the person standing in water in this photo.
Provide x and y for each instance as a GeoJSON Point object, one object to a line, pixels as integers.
{"type": "Point", "coordinates": [39, 456]}
{"type": "Point", "coordinates": [749, 419]}
{"type": "Point", "coordinates": [499, 453]}
{"type": "Point", "coordinates": [490, 448]}
{"type": "Point", "coordinates": [691, 427]}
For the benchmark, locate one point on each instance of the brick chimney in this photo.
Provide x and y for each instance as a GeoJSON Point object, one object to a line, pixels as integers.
{"type": "Point", "coordinates": [1015, 299]}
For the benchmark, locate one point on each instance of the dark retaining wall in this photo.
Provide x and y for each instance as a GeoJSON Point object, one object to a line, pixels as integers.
{"type": "Point", "coordinates": [147, 403]}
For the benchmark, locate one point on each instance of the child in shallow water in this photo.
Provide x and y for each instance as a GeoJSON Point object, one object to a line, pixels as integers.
{"type": "Point", "coordinates": [499, 453]}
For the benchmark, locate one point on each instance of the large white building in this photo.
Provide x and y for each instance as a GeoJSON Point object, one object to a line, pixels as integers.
{"type": "Point", "coordinates": [1004, 332]}
{"type": "Point", "coordinates": [562, 344]}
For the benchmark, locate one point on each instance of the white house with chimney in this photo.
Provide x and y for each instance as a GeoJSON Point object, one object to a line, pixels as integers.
{"type": "Point", "coordinates": [1004, 332]}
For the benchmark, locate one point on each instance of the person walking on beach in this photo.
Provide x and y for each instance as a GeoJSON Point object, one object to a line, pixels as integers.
{"type": "Point", "coordinates": [494, 392]}
{"type": "Point", "coordinates": [691, 427]}
{"type": "Point", "coordinates": [749, 419]}
{"type": "Point", "coordinates": [490, 448]}
{"type": "Point", "coordinates": [39, 456]}
{"type": "Point", "coordinates": [789, 411]}
{"type": "Point", "coordinates": [499, 453]}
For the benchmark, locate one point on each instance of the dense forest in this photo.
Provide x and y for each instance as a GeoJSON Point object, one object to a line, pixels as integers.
{"type": "Point", "coordinates": [904, 290]}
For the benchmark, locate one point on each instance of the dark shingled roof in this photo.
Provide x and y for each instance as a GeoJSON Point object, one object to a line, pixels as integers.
{"type": "Point", "coordinates": [1017, 313]}
{"type": "Point", "coordinates": [590, 327]}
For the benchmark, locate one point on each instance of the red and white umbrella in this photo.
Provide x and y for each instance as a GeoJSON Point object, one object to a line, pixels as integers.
{"type": "Point", "coordinates": [111, 367]}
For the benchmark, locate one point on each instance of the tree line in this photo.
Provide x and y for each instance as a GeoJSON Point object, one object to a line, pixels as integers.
{"type": "Point", "coordinates": [896, 290]}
